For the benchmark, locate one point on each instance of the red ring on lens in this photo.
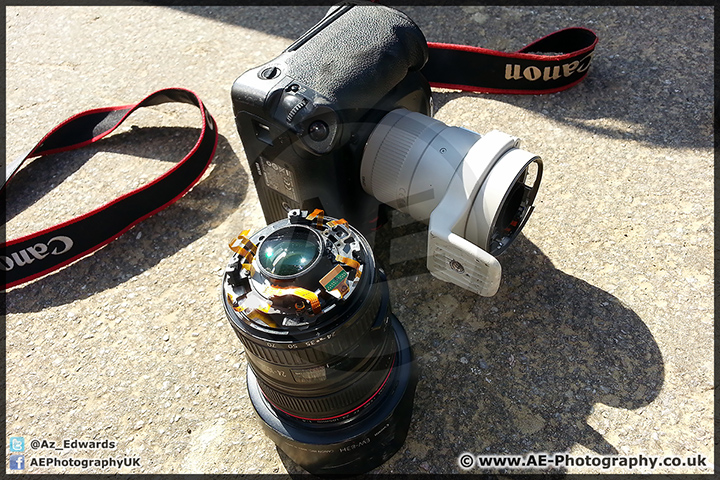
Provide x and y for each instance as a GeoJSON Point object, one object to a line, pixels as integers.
{"type": "Point", "coordinates": [342, 414]}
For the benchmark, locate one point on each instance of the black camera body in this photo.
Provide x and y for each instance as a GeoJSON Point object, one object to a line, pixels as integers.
{"type": "Point", "coordinates": [304, 117]}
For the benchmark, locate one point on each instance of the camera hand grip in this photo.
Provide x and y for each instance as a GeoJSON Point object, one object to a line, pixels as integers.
{"type": "Point", "coordinates": [360, 55]}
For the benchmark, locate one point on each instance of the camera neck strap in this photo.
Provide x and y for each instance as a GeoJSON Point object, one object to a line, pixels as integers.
{"type": "Point", "coordinates": [550, 64]}
{"type": "Point", "coordinates": [37, 254]}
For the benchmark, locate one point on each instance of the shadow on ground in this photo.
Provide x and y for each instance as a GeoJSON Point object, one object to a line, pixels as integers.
{"type": "Point", "coordinates": [518, 372]}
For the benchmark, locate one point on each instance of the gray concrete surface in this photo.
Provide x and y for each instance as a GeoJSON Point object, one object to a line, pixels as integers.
{"type": "Point", "coordinates": [599, 342]}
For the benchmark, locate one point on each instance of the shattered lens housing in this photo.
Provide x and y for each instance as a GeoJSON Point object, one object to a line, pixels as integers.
{"type": "Point", "coordinates": [330, 370]}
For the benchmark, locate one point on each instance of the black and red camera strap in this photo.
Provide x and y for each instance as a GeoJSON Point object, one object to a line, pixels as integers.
{"type": "Point", "coordinates": [550, 64]}
{"type": "Point", "coordinates": [35, 255]}
{"type": "Point", "coordinates": [559, 61]}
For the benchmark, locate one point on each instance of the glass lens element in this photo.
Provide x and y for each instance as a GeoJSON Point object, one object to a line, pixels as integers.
{"type": "Point", "coordinates": [289, 251]}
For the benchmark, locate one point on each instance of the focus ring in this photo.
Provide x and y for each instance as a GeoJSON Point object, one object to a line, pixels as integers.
{"type": "Point", "coordinates": [336, 403]}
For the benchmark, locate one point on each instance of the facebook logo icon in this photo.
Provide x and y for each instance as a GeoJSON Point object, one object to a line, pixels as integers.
{"type": "Point", "coordinates": [17, 462]}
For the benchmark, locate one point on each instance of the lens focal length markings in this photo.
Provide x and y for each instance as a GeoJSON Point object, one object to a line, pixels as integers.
{"type": "Point", "coordinates": [333, 401]}
{"type": "Point", "coordinates": [295, 349]}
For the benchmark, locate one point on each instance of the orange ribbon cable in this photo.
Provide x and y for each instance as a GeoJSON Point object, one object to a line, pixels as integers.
{"type": "Point", "coordinates": [339, 221]}
{"type": "Point", "coordinates": [335, 282]}
{"type": "Point", "coordinates": [319, 214]}
{"type": "Point", "coordinates": [350, 263]}
{"type": "Point", "coordinates": [311, 298]}
{"type": "Point", "coordinates": [259, 312]}
{"type": "Point", "coordinates": [244, 248]}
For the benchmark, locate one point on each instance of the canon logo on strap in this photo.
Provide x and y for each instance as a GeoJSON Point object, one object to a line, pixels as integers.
{"type": "Point", "coordinates": [533, 73]}
{"type": "Point", "coordinates": [55, 246]}
{"type": "Point", "coordinates": [548, 65]}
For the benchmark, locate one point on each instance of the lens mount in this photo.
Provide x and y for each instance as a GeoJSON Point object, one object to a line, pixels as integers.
{"type": "Point", "coordinates": [505, 201]}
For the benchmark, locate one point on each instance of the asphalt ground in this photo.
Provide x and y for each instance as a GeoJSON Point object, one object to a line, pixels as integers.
{"type": "Point", "coordinates": [598, 343]}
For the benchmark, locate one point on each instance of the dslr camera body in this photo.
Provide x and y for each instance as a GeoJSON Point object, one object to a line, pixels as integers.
{"type": "Point", "coordinates": [305, 116]}
{"type": "Point", "coordinates": [341, 121]}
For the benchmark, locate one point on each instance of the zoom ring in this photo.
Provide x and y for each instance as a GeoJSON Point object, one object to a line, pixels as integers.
{"type": "Point", "coordinates": [345, 338]}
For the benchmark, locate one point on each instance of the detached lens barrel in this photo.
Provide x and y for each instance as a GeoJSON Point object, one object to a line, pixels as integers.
{"type": "Point", "coordinates": [330, 369]}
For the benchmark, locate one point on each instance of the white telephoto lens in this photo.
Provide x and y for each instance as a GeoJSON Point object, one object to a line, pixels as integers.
{"type": "Point", "coordinates": [475, 192]}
